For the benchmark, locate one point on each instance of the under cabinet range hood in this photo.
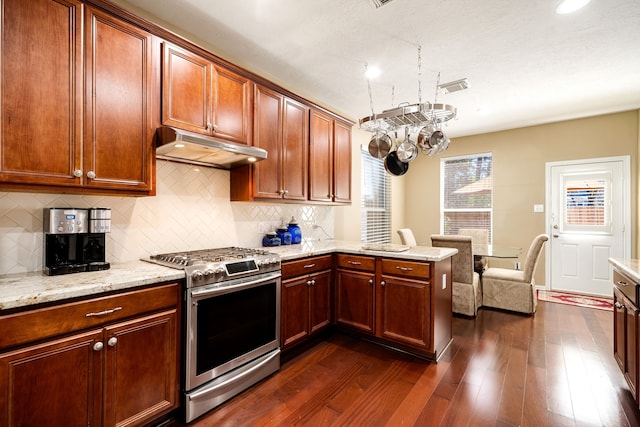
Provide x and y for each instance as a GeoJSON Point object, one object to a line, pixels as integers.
{"type": "Point", "coordinates": [189, 147]}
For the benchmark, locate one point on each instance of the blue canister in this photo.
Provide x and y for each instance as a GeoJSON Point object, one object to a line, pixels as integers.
{"type": "Point", "coordinates": [271, 239]}
{"type": "Point", "coordinates": [284, 235]}
{"type": "Point", "coordinates": [294, 229]}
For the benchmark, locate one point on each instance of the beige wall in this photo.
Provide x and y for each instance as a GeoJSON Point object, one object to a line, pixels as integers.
{"type": "Point", "coordinates": [519, 159]}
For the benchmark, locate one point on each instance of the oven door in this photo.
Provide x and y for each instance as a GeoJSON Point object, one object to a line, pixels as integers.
{"type": "Point", "coordinates": [230, 324]}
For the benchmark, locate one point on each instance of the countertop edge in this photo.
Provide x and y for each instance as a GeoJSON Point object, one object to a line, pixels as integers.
{"type": "Point", "coordinates": [628, 266]}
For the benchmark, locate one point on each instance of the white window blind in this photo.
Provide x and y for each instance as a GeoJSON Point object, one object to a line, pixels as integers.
{"type": "Point", "coordinates": [466, 194]}
{"type": "Point", "coordinates": [375, 203]}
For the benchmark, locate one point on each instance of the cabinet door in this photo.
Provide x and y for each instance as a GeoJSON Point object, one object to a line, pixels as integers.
{"type": "Point", "coordinates": [119, 138]}
{"type": "Point", "coordinates": [320, 157]}
{"type": "Point", "coordinates": [295, 310]}
{"type": "Point", "coordinates": [232, 106]}
{"type": "Point", "coordinates": [295, 136]}
{"type": "Point", "coordinates": [405, 315]}
{"type": "Point", "coordinates": [267, 134]}
{"type": "Point", "coordinates": [320, 296]}
{"type": "Point", "coordinates": [186, 90]}
{"type": "Point", "coordinates": [342, 163]}
{"type": "Point", "coordinates": [41, 69]}
{"type": "Point", "coordinates": [141, 369]}
{"type": "Point", "coordinates": [618, 328]}
{"type": "Point", "coordinates": [355, 299]}
{"type": "Point", "coordinates": [56, 383]}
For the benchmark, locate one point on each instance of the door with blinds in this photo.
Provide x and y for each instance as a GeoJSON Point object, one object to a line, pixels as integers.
{"type": "Point", "coordinates": [588, 223]}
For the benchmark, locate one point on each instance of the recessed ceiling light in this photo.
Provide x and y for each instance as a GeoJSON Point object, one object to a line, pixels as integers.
{"type": "Point", "coordinates": [372, 72]}
{"type": "Point", "coordinates": [568, 6]}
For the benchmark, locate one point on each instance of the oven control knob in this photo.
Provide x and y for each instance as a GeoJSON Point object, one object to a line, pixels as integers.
{"type": "Point", "coordinates": [219, 270]}
{"type": "Point", "coordinates": [208, 272]}
{"type": "Point", "coordinates": [197, 275]}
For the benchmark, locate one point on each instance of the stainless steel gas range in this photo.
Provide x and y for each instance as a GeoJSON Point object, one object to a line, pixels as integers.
{"type": "Point", "coordinates": [232, 322]}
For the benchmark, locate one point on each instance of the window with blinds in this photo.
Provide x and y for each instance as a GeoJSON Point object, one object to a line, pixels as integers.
{"type": "Point", "coordinates": [466, 193]}
{"type": "Point", "coordinates": [375, 202]}
{"type": "Point", "coordinates": [585, 203]}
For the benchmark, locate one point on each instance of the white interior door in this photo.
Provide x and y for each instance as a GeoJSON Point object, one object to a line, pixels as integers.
{"type": "Point", "coordinates": [588, 222]}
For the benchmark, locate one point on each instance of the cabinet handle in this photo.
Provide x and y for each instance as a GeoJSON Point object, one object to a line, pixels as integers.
{"type": "Point", "coordinates": [309, 266]}
{"type": "Point", "coordinates": [98, 346]}
{"type": "Point", "coordinates": [618, 305]}
{"type": "Point", "coordinates": [77, 173]}
{"type": "Point", "coordinates": [383, 283]}
{"type": "Point", "coordinates": [102, 313]}
{"type": "Point", "coordinates": [354, 262]}
{"type": "Point", "coordinates": [404, 268]}
{"type": "Point", "coordinates": [621, 283]}
{"type": "Point", "coordinates": [112, 341]}
{"type": "Point", "coordinates": [91, 175]}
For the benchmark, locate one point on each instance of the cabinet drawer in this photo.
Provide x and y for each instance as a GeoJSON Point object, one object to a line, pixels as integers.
{"type": "Point", "coordinates": [626, 286]}
{"type": "Point", "coordinates": [28, 326]}
{"type": "Point", "coordinates": [355, 262]}
{"type": "Point", "coordinates": [396, 267]}
{"type": "Point", "coordinates": [305, 266]}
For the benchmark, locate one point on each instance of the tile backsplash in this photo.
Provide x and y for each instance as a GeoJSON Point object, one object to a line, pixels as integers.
{"type": "Point", "coordinates": [191, 211]}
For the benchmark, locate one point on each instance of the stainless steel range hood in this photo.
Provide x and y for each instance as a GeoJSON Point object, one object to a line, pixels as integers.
{"type": "Point", "coordinates": [189, 147]}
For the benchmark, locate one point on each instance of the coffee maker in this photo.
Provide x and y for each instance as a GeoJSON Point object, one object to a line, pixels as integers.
{"type": "Point", "coordinates": [74, 240]}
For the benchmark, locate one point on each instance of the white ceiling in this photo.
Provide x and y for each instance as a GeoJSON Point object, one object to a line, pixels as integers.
{"type": "Point", "coordinates": [525, 63]}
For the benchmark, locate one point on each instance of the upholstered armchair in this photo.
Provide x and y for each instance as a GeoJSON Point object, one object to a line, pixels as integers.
{"type": "Point", "coordinates": [514, 289]}
{"type": "Point", "coordinates": [466, 293]}
{"type": "Point", "coordinates": [407, 237]}
{"type": "Point", "coordinates": [479, 236]}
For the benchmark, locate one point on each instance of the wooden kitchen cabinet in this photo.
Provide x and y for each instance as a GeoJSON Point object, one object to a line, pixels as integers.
{"type": "Point", "coordinates": [402, 303]}
{"type": "Point", "coordinates": [281, 128]}
{"type": "Point", "coordinates": [329, 159]}
{"type": "Point", "coordinates": [625, 329]}
{"type": "Point", "coordinates": [200, 96]}
{"type": "Point", "coordinates": [100, 362]}
{"type": "Point", "coordinates": [355, 292]}
{"type": "Point", "coordinates": [49, 56]}
{"type": "Point", "coordinates": [306, 299]}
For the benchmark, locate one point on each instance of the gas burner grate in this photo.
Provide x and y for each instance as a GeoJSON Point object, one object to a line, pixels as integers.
{"type": "Point", "coordinates": [201, 256]}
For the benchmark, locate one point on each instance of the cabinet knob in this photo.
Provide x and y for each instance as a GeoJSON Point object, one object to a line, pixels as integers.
{"type": "Point", "coordinates": [313, 282]}
{"type": "Point", "coordinates": [308, 282]}
{"type": "Point", "coordinates": [98, 346]}
{"type": "Point", "coordinates": [91, 175]}
{"type": "Point", "coordinates": [371, 281]}
{"type": "Point", "coordinates": [77, 173]}
{"type": "Point", "coordinates": [618, 305]}
{"type": "Point", "coordinates": [112, 341]}
{"type": "Point", "coordinates": [383, 283]}
{"type": "Point", "coordinates": [209, 127]}
{"type": "Point", "coordinates": [621, 283]}
{"type": "Point", "coordinates": [215, 128]}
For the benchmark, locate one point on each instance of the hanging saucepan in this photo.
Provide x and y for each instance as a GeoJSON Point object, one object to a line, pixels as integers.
{"type": "Point", "coordinates": [379, 145]}
{"type": "Point", "coordinates": [394, 166]}
{"type": "Point", "coordinates": [424, 136]}
{"type": "Point", "coordinates": [407, 150]}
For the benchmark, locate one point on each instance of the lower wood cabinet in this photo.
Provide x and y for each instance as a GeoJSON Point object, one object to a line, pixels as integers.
{"type": "Point", "coordinates": [101, 362]}
{"type": "Point", "coordinates": [625, 329]}
{"type": "Point", "coordinates": [306, 299]}
{"type": "Point", "coordinates": [402, 303]}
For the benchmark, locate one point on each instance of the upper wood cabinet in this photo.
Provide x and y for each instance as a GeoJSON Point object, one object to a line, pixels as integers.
{"type": "Point", "coordinates": [202, 97]}
{"type": "Point", "coordinates": [329, 159]}
{"type": "Point", "coordinates": [281, 128]}
{"type": "Point", "coordinates": [43, 78]}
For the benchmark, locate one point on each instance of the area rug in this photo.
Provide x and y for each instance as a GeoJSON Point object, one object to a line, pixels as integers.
{"type": "Point", "coordinates": [600, 303]}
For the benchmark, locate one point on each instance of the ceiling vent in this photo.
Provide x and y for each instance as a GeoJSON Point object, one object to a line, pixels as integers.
{"type": "Point", "coordinates": [454, 86]}
{"type": "Point", "coordinates": [380, 3]}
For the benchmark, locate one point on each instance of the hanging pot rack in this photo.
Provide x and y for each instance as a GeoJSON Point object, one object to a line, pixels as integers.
{"type": "Point", "coordinates": [414, 115]}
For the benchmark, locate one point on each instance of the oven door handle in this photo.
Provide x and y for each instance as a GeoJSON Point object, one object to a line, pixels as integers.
{"type": "Point", "coordinates": [206, 291]}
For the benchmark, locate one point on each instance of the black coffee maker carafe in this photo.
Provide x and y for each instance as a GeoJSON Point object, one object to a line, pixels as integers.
{"type": "Point", "coordinates": [74, 240]}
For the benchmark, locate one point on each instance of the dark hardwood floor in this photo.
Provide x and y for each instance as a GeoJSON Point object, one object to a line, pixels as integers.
{"type": "Point", "coordinates": [552, 369]}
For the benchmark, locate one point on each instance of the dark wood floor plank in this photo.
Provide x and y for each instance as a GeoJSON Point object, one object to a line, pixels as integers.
{"type": "Point", "coordinates": [555, 368]}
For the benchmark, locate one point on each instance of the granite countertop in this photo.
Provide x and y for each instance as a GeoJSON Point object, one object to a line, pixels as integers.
{"type": "Point", "coordinates": [311, 248]}
{"type": "Point", "coordinates": [21, 290]}
{"type": "Point", "coordinates": [27, 289]}
{"type": "Point", "coordinates": [628, 266]}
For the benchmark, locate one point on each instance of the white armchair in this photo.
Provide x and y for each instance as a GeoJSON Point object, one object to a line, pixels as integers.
{"type": "Point", "coordinates": [514, 289]}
